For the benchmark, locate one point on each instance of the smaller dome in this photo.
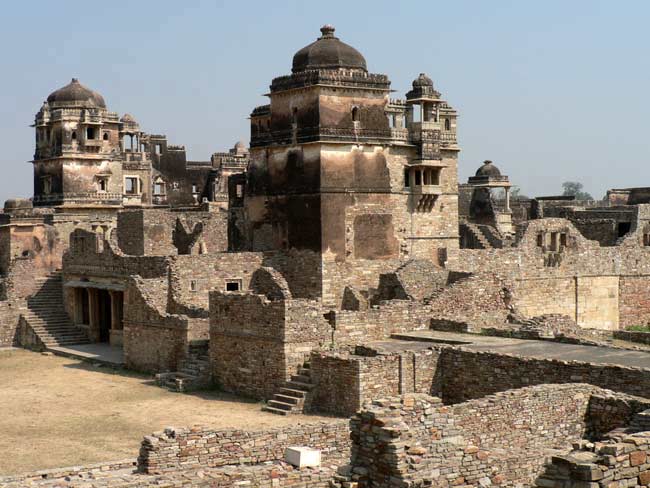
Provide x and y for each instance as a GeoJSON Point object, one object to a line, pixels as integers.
{"type": "Point", "coordinates": [17, 204]}
{"type": "Point", "coordinates": [240, 145]}
{"type": "Point", "coordinates": [74, 94]}
{"type": "Point", "coordinates": [127, 118]}
{"type": "Point", "coordinates": [488, 169]}
{"type": "Point", "coordinates": [422, 80]}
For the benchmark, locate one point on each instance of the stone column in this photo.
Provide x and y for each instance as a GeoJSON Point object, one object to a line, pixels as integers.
{"type": "Point", "coordinates": [507, 189]}
{"type": "Point", "coordinates": [78, 305]}
{"type": "Point", "coordinates": [93, 314]}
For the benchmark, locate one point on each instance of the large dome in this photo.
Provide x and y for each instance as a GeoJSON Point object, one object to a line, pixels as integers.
{"type": "Point", "coordinates": [327, 52]}
{"type": "Point", "coordinates": [74, 94]}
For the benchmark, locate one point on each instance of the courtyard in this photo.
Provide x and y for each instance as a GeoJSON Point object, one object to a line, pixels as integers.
{"type": "Point", "coordinates": [58, 411]}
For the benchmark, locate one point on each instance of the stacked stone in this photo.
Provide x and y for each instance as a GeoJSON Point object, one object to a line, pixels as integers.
{"type": "Point", "coordinates": [175, 449]}
{"type": "Point", "coordinates": [503, 439]}
{"type": "Point", "coordinates": [275, 475]}
{"type": "Point", "coordinates": [621, 462]}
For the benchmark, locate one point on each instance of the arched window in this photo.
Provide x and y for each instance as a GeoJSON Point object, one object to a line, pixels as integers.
{"type": "Point", "coordinates": [355, 114]}
{"type": "Point", "coordinates": [74, 135]}
{"type": "Point", "coordinates": [106, 136]}
{"type": "Point", "coordinates": [447, 124]}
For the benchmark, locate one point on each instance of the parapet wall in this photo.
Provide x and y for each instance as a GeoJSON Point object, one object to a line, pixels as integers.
{"type": "Point", "coordinates": [176, 449]}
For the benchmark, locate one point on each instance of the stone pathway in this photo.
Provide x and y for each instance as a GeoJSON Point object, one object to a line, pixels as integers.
{"type": "Point", "coordinates": [97, 352]}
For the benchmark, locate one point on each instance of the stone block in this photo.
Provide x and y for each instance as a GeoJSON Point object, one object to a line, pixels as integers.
{"type": "Point", "coordinates": [302, 457]}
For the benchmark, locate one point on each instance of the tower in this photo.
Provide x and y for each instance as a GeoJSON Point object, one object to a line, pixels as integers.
{"type": "Point", "coordinates": [339, 169]}
{"type": "Point", "coordinates": [78, 160]}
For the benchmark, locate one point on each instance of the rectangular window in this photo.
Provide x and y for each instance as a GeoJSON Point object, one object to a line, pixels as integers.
{"type": "Point", "coordinates": [159, 189]}
{"type": "Point", "coordinates": [407, 179]}
{"type": "Point", "coordinates": [131, 185]}
{"type": "Point", "coordinates": [90, 133]}
{"type": "Point", "coordinates": [233, 285]}
{"type": "Point", "coordinates": [193, 286]}
{"type": "Point", "coordinates": [418, 177]}
{"type": "Point", "coordinates": [101, 184]}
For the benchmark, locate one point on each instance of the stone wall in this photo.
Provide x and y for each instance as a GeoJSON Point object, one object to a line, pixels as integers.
{"type": "Point", "coordinates": [17, 284]}
{"type": "Point", "coordinates": [619, 462]}
{"type": "Point", "coordinates": [498, 440]}
{"type": "Point", "coordinates": [553, 268]}
{"type": "Point", "coordinates": [154, 340]}
{"type": "Point", "coordinates": [632, 336]}
{"type": "Point", "coordinates": [164, 232]}
{"type": "Point", "coordinates": [174, 449]}
{"type": "Point", "coordinates": [344, 381]}
{"type": "Point", "coordinates": [469, 374]}
{"type": "Point", "coordinates": [256, 343]}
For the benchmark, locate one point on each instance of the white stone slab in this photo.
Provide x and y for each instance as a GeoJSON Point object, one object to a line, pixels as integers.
{"type": "Point", "coordinates": [302, 456]}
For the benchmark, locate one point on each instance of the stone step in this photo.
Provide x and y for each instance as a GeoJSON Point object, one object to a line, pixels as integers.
{"type": "Point", "coordinates": [280, 405]}
{"type": "Point", "coordinates": [287, 399]}
{"type": "Point", "coordinates": [276, 411]}
{"type": "Point", "coordinates": [293, 392]}
{"type": "Point", "coordinates": [299, 385]}
{"type": "Point", "coordinates": [301, 378]}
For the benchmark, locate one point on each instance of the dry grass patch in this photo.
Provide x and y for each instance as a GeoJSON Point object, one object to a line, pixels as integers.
{"type": "Point", "coordinates": [63, 412]}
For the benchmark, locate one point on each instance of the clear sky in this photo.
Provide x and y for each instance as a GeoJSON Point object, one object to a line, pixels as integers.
{"type": "Point", "coordinates": [551, 90]}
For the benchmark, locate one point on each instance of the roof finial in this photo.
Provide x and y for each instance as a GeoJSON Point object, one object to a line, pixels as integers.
{"type": "Point", "coordinates": [327, 30]}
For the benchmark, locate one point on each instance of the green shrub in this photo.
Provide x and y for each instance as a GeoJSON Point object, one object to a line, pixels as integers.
{"type": "Point", "coordinates": [638, 328]}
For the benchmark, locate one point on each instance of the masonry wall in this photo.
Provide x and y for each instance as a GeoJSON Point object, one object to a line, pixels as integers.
{"type": "Point", "coordinates": [256, 344]}
{"type": "Point", "coordinates": [619, 462]}
{"type": "Point", "coordinates": [164, 232]}
{"type": "Point", "coordinates": [470, 374]}
{"type": "Point", "coordinates": [154, 341]}
{"type": "Point", "coordinates": [203, 447]}
{"type": "Point", "coordinates": [416, 441]}
{"type": "Point", "coordinates": [345, 381]}
{"type": "Point", "coordinates": [634, 300]}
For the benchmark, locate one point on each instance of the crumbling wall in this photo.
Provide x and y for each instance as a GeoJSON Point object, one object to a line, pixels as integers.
{"type": "Point", "coordinates": [621, 461]}
{"type": "Point", "coordinates": [185, 448]}
{"type": "Point", "coordinates": [344, 381]}
{"type": "Point", "coordinates": [165, 232]}
{"type": "Point", "coordinates": [415, 440]}
{"type": "Point", "coordinates": [154, 341]}
{"type": "Point", "coordinates": [256, 344]}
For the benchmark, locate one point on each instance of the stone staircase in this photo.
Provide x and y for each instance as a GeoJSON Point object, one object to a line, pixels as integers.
{"type": "Point", "coordinates": [194, 371]}
{"type": "Point", "coordinates": [293, 398]}
{"type": "Point", "coordinates": [46, 316]}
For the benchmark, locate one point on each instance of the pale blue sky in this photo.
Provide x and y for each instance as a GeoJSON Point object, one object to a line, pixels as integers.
{"type": "Point", "coordinates": [551, 91]}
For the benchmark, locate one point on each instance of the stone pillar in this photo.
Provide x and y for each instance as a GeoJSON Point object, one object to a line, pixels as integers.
{"type": "Point", "coordinates": [78, 311]}
{"type": "Point", "coordinates": [507, 189]}
{"type": "Point", "coordinates": [93, 315]}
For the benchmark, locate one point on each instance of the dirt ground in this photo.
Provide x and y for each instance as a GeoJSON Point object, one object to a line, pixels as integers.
{"type": "Point", "coordinates": [62, 412]}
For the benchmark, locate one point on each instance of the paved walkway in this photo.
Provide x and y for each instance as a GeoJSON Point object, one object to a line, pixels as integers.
{"type": "Point", "coordinates": [97, 352]}
{"type": "Point", "coordinates": [534, 348]}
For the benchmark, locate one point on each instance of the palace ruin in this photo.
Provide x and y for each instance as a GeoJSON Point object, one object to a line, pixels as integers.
{"type": "Point", "coordinates": [337, 265]}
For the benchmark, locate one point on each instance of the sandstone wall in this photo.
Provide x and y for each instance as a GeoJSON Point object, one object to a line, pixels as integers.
{"type": "Point", "coordinates": [622, 461]}
{"type": "Point", "coordinates": [154, 341]}
{"type": "Point", "coordinates": [174, 449]}
{"type": "Point", "coordinates": [469, 374]}
{"type": "Point", "coordinates": [498, 440]}
{"type": "Point", "coordinates": [344, 381]}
